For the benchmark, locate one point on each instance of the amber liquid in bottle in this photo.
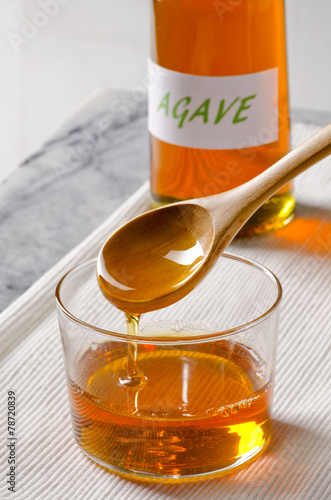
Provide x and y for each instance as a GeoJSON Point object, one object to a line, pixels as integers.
{"type": "Point", "coordinates": [215, 38]}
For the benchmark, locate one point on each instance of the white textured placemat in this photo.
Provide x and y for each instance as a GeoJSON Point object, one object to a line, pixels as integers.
{"type": "Point", "coordinates": [50, 465]}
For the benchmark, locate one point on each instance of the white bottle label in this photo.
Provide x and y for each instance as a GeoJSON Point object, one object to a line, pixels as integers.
{"type": "Point", "coordinates": [213, 112]}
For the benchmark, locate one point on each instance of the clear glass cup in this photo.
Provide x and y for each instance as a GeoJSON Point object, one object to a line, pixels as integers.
{"type": "Point", "coordinates": [205, 366]}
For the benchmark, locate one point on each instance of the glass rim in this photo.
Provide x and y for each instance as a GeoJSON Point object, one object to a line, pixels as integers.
{"type": "Point", "coordinates": [176, 339]}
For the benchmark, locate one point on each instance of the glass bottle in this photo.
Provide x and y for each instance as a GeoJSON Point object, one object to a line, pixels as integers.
{"type": "Point", "coordinates": [218, 101]}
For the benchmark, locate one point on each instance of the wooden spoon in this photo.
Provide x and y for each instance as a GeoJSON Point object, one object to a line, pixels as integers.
{"type": "Point", "coordinates": [159, 257]}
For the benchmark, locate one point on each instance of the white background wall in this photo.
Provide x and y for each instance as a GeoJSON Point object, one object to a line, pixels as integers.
{"type": "Point", "coordinates": [92, 44]}
{"type": "Point", "coordinates": [309, 53]}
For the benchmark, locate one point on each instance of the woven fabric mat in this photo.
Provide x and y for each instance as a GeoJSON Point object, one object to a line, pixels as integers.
{"type": "Point", "coordinates": [51, 466]}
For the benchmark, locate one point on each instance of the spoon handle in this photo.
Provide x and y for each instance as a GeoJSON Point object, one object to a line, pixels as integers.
{"type": "Point", "coordinates": [313, 150]}
{"type": "Point", "coordinates": [248, 197]}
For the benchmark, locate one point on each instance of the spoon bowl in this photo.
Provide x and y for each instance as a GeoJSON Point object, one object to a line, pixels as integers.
{"type": "Point", "coordinates": [160, 256]}
{"type": "Point", "coordinates": [171, 242]}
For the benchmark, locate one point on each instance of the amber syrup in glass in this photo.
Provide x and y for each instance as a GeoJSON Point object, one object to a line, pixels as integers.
{"type": "Point", "coordinates": [193, 411]}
